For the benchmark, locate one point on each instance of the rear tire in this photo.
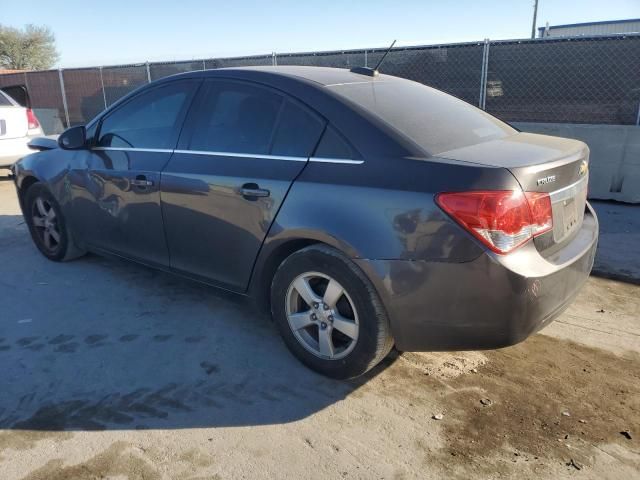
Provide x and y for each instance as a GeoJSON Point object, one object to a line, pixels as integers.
{"type": "Point", "coordinates": [47, 225]}
{"type": "Point", "coordinates": [329, 314]}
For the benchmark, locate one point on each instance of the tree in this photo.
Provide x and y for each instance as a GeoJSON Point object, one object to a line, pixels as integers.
{"type": "Point", "coordinates": [33, 48]}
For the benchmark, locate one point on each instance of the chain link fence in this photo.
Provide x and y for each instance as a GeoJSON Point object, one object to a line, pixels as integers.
{"type": "Point", "coordinates": [592, 80]}
{"type": "Point", "coordinates": [581, 80]}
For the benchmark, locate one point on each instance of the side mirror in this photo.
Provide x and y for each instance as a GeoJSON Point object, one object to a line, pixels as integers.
{"type": "Point", "coordinates": [73, 138]}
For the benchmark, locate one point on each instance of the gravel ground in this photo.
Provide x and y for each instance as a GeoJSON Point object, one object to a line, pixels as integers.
{"type": "Point", "coordinates": [112, 370]}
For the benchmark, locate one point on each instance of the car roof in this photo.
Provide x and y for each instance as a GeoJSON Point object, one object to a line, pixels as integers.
{"type": "Point", "coordinates": [324, 76]}
{"type": "Point", "coordinates": [312, 86]}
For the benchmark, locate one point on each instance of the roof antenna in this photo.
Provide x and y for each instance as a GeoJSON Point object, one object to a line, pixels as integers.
{"type": "Point", "coordinates": [372, 72]}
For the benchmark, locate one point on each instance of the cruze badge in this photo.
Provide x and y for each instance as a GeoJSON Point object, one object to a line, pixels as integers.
{"type": "Point", "coordinates": [584, 167]}
{"type": "Point", "coordinates": [545, 180]}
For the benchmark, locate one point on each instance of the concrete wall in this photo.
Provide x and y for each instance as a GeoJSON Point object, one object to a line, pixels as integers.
{"type": "Point", "coordinates": [615, 156]}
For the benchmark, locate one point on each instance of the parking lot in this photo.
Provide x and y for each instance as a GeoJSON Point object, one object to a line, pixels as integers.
{"type": "Point", "coordinates": [112, 370]}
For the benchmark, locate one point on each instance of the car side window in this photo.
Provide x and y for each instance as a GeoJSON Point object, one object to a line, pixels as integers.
{"type": "Point", "coordinates": [150, 120]}
{"type": "Point", "coordinates": [332, 145]}
{"type": "Point", "coordinates": [297, 133]}
{"type": "Point", "coordinates": [236, 117]}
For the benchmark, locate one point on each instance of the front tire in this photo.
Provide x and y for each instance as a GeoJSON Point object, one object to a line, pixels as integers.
{"type": "Point", "coordinates": [329, 314]}
{"type": "Point", "coordinates": [49, 230]}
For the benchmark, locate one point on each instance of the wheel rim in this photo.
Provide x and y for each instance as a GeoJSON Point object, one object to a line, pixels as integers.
{"type": "Point", "coordinates": [45, 222]}
{"type": "Point", "coordinates": [322, 315]}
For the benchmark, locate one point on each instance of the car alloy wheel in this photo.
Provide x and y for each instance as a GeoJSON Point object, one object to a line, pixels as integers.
{"type": "Point", "coordinates": [45, 222]}
{"type": "Point", "coordinates": [322, 316]}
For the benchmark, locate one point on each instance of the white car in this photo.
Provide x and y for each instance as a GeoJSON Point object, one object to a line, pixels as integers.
{"type": "Point", "coordinates": [18, 126]}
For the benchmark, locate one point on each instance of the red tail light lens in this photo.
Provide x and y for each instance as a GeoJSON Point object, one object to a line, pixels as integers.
{"type": "Point", "coordinates": [32, 120]}
{"type": "Point", "coordinates": [503, 219]}
{"type": "Point", "coordinates": [541, 214]}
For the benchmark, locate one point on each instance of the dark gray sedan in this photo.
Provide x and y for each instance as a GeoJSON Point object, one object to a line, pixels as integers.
{"type": "Point", "coordinates": [368, 211]}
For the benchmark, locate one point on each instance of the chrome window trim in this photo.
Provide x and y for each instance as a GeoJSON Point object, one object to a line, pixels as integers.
{"type": "Point", "coordinates": [243, 155]}
{"type": "Point", "coordinates": [343, 161]}
{"type": "Point", "coordinates": [336, 160]}
{"type": "Point", "coordinates": [134, 149]}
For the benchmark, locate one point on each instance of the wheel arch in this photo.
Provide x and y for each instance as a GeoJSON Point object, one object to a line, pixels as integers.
{"type": "Point", "coordinates": [26, 183]}
{"type": "Point", "coordinates": [275, 251]}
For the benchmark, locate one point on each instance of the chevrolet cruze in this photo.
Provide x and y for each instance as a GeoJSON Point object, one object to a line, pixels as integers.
{"type": "Point", "coordinates": [365, 210]}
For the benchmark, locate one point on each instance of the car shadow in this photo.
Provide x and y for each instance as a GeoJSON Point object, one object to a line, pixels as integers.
{"type": "Point", "coordinates": [100, 344]}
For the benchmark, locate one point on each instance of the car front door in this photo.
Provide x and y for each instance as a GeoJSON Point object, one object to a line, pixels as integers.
{"type": "Point", "coordinates": [239, 152]}
{"type": "Point", "coordinates": [118, 202]}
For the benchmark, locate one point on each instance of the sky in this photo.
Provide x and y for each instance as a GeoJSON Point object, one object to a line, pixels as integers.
{"type": "Point", "coordinates": [107, 32]}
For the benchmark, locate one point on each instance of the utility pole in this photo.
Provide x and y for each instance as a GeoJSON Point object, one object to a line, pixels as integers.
{"type": "Point", "coordinates": [535, 15]}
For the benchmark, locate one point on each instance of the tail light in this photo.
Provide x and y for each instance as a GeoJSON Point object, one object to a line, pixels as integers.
{"type": "Point", "coordinates": [32, 120]}
{"type": "Point", "coordinates": [503, 219]}
{"type": "Point", "coordinates": [541, 213]}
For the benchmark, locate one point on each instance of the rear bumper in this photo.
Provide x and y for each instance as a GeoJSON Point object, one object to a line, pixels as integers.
{"type": "Point", "coordinates": [13, 149]}
{"type": "Point", "coordinates": [490, 302]}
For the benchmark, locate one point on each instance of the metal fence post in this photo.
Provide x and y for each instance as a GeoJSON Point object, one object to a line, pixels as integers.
{"type": "Point", "coordinates": [204, 65]}
{"type": "Point", "coordinates": [26, 82]}
{"type": "Point", "coordinates": [482, 100]}
{"type": "Point", "coordinates": [148, 73]}
{"type": "Point", "coordinates": [365, 58]}
{"type": "Point", "coordinates": [482, 67]}
{"type": "Point", "coordinates": [104, 94]}
{"type": "Point", "coordinates": [64, 98]}
{"type": "Point", "coordinates": [486, 74]}
{"type": "Point", "coordinates": [274, 59]}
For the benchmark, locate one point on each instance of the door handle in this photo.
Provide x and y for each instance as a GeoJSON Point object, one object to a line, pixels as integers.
{"type": "Point", "coordinates": [141, 181]}
{"type": "Point", "coordinates": [252, 190]}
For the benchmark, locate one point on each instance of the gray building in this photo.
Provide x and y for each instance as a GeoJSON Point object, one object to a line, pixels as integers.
{"type": "Point", "coordinates": [590, 28]}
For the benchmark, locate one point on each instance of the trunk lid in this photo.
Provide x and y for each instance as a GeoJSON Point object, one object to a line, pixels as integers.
{"type": "Point", "coordinates": [541, 163]}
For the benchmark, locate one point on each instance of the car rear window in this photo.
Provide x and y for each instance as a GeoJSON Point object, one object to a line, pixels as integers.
{"type": "Point", "coordinates": [435, 121]}
{"type": "Point", "coordinates": [4, 100]}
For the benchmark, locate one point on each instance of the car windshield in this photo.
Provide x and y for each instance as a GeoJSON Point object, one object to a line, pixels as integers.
{"type": "Point", "coordinates": [437, 122]}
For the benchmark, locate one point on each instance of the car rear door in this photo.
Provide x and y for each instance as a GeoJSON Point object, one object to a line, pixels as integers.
{"type": "Point", "coordinates": [116, 202]}
{"type": "Point", "coordinates": [238, 154]}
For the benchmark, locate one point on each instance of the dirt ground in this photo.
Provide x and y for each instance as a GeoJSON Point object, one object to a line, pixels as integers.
{"type": "Point", "coordinates": [110, 370]}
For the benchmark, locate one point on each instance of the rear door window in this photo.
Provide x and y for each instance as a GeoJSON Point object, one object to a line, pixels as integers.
{"type": "Point", "coordinates": [236, 117]}
{"type": "Point", "coordinates": [297, 133]}
{"type": "Point", "coordinates": [333, 145]}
